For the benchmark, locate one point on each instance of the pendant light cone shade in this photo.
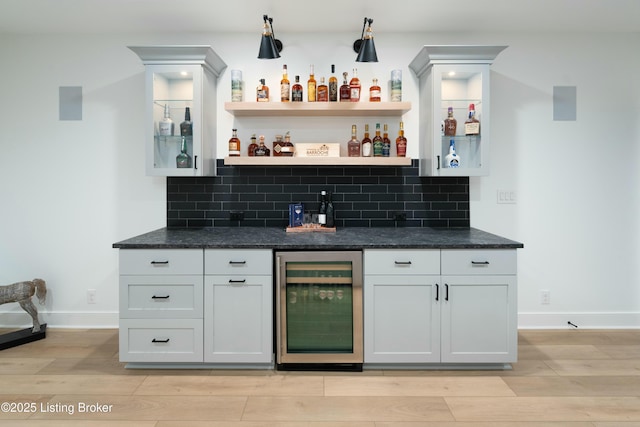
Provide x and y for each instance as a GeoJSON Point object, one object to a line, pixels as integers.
{"type": "Point", "coordinates": [365, 47]}
{"type": "Point", "coordinates": [269, 47]}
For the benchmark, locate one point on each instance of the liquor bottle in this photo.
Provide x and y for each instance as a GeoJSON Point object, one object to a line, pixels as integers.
{"type": "Point", "coordinates": [165, 127]}
{"type": "Point", "coordinates": [183, 160]}
{"type": "Point", "coordinates": [262, 92]}
{"type": "Point", "coordinates": [353, 146]}
{"type": "Point", "coordinates": [401, 142]}
{"type": "Point", "coordinates": [278, 144]}
{"type": "Point", "coordinates": [311, 87]}
{"type": "Point", "coordinates": [262, 150]}
{"type": "Point", "coordinates": [386, 142]}
{"type": "Point", "coordinates": [354, 87]}
{"type": "Point", "coordinates": [252, 147]}
{"type": "Point", "coordinates": [367, 145]}
{"type": "Point", "coordinates": [377, 142]}
{"type": "Point", "coordinates": [333, 85]}
{"type": "Point", "coordinates": [345, 90]}
{"type": "Point", "coordinates": [450, 123]}
{"type": "Point", "coordinates": [472, 124]}
{"type": "Point", "coordinates": [234, 144]}
{"type": "Point", "coordinates": [186, 127]}
{"type": "Point", "coordinates": [452, 160]}
{"type": "Point", "coordinates": [296, 91]}
{"type": "Point", "coordinates": [331, 215]}
{"type": "Point", "coordinates": [322, 209]}
{"type": "Point", "coordinates": [323, 91]}
{"type": "Point", "coordinates": [374, 92]}
{"type": "Point", "coordinates": [285, 86]}
{"type": "Point", "coordinates": [287, 146]}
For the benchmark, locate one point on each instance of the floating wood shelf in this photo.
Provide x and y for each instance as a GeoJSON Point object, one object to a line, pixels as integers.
{"type": "Point", "coordinates": [363, 108]}
{"type": "Point", "coordinates": [317, 161]}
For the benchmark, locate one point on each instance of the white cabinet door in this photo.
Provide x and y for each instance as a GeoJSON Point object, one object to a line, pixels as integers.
{"type": "Point", "coordinates": [479, 319]}
{"type": "Point", "coordinates": [402, 319]}
{"type": "Point", "coordinates": [238, 319]}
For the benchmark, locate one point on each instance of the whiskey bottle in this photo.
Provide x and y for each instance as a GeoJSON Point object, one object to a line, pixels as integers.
{"type": "Point", "coordinates": [401, 142]}
{"type": "Point", "coordinates": [322, 209]}
{"type": "Point", "coordinates": [165, 127]}
{"type": "Point", "coordinates": [353, 146]}
{"type": "Point", "coordinates": [450, 123]}
{"type": "Point", "coordinates": [287, 146]}
{"type": "Point", "coordinates": [323, 91]}
{"type": "Point", "coordinates": [296, 91]}
{"type": "Point", "coordinates": [234, 144]}
{"type": "Point", "coordinates": [252, 147]}
{"type": "Point", "coordinates": [374, 92]}
{"type": "Point", "coordinates": [277, 146]}
{"type": "Point", "coordinates": [311, 87]}
{"type": "Point", "coordinates": [285, 86]}
{"type": "Point", "coordinates": [452, 160]}
{"type": "Point", "coordinates": [262, 150]}
{"type": "Point", "coordinates": [345, 90]}
{"type": "Point", "coordinates": [386, 142]}
{"type": "Point", "coordinates": [262, 92]}
{"type": "Point", "coordinates": [183, 160]}
{"type": "Point", "coordinates": [333, 85]}
{"type": "Point", "coordinates": [378, 143]}
{"type": "Point", "coordinates": [472, 124]}
{"type": "Point", "coordinates": [186, 127]}
{"type": "Point", "coordinates": [354, 87]}
{"type": "Point", "coordinates": [367, 145]}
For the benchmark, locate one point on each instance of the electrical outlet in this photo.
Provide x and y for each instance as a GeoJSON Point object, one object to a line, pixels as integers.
{"type": "Point", "coordinates": [236, 215]}
{"type": "Point", "coordinates": [91, 296]}
{"type": "Point", "coordinates": [400, 216]}
{"type": "Point", "coordinates": [545, 297]}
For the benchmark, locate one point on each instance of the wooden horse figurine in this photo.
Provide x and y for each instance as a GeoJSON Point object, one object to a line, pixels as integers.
{"type": "Point", "coordinates": [21, 293]}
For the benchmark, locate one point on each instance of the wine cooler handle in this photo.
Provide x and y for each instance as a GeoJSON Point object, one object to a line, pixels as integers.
{"type": "Point", "coordinates": [446, 292]}
{"type": "Point", "coordinates": [160, 341]}
{"type": "Point", "coordinates": [195, 162]}
{"type": "Point", "coordinates": [437, 292]}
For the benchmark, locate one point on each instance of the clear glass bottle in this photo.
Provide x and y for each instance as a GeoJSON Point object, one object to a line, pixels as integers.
{"type": "Point", "coordinates": [311, 86]}
{"type": "Point", "coordinates": [450, 123]}
{"type": "Point", "coordinates": [386, 142]}
{"type": "Point", "coordinates": [333, 85]}
{"type": "Point", "coordinates": [374, 92]}
{"type": "Point", "coordinates": [472, 124]}
{"type": "Point", "coordinates": [367, 145]}
{"type": "Point", "coordinates": [296, 91]}
{"type": "Point", "coordinates": [345, 90]}
{"type": "Point", "coordinates": [234, 144]}
{"type": "Point", "coordinates": [183, 160]}
{"type": "Point", "coordinates": [354, 87]}
{"type": "Point", "coordinates": [353, 146]}
{"type": "Point", "coordinates": [401, 142]}
{"type": "Point", "coordinates": [262, 150]}
{"type": "Point", "coordinates": [377, 142]}
{"type": "Point", "coordinates": [251, 149]}
{"type": "Point", "coordinates": [165, 127]}
{"type": "Point", "coordinates": [323, 91]}
{"type": "Point", "coordinates": [262, 92]}
{"type": "Point", "coordinates": [186, 127]}
{"type": "Point", "coordinates": [285, 86]}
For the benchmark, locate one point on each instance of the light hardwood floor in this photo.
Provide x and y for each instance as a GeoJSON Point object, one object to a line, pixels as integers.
{"type": "Point", "coordinates": [568, 378]}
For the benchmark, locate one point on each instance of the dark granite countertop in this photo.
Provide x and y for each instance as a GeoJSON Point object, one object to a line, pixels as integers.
{"type": "Point", "coordinates": [344, 238]}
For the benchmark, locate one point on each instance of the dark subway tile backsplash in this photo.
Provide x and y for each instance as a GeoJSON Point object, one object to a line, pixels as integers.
{"type": "Point", "coordinates": [362, 196]}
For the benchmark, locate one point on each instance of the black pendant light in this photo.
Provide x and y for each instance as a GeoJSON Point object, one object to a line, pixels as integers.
{"type": "Point", "coordinates": [364, 46]}
{"type": "Point", "coordinates": [270, 47]}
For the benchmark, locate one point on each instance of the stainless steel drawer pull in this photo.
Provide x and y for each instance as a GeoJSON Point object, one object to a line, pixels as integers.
{"type": "Point", "coordinates": [159, 262]}
{"type": "Point", "coordinates": [160, 341]}
{"type": "Point", "coordinates": [162, 297]}
{"type": "Point", "coordinates": [237, 262]}
{"type": "Point", "coordinates": [237, 281]}
{"type": "Point", "coordinates": [480, 262]}
{"type": "Point", "coordinates": [403, 262]}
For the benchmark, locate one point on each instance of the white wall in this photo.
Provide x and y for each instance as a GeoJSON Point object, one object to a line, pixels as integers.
{"type": "Point", "coordinates": [69, 189]}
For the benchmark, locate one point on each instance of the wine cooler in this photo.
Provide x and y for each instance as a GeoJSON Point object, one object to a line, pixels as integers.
{"type": "Point", "coordinates": [319, 310]}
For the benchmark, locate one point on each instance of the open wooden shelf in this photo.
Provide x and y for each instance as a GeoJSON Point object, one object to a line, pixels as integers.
{"type": "Point", "coordinates": [363, 108]}
{"type": "Point", "coordinates": [317, 161]}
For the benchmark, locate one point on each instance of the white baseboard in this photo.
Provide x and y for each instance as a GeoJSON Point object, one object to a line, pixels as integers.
{"type": "Point", "coordinates": [77, 320]}
{"type": "Point", "coordinates": [627, 320]}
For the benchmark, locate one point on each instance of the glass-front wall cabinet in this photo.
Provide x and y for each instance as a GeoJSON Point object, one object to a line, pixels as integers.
{"type": "Point", "coordinates": [454, 128]}
{"type": "Point", "coordinates": [181, 109]}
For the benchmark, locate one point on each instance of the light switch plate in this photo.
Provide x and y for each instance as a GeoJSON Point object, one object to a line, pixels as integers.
{"type": "Point", "coordinates": [507, 197]}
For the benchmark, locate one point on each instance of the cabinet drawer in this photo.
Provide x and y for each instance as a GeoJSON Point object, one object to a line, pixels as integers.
{"type": "Point", "coordinates": [161, 296]}
{"type": "Point", "coordinates": [160, 261]}
{"type": "Point", "coordinates": [161, 340]}
{"type": "Point", "coordinates": [238, 261]}
{"type": "Point", "coordinates": [479, 261]}
{"type": "Point", "coordinates": [401, 261]}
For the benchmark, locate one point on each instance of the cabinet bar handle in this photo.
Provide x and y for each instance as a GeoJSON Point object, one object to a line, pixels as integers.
{"type": "Point", "coordinates": [157, 297]}
{"type": "Point", "coordinates": [237, 281]}
{"type": "Point", "coordinates": [437, 292]}
{"type": "Point", "coordinates": [403, 262]}
{"type": "Point", "coordinates": [159, 262]}
{"type": "Point", "coordinates": [438, 168]}
{"type": "Point", "coordinates": [480, 262]}
{"type": "Point", "coordinates": [237, 262]}
{"type": "Point", "coordinates": [446, 295]}
{"type": "Point", "coordinates": [195, 162]}
{"type": "Point", "coordinates": [160, 341]}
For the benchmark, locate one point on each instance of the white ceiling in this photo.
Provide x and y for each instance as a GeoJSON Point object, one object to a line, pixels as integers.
{"type": "Point", "coordinates": [180, 16]}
